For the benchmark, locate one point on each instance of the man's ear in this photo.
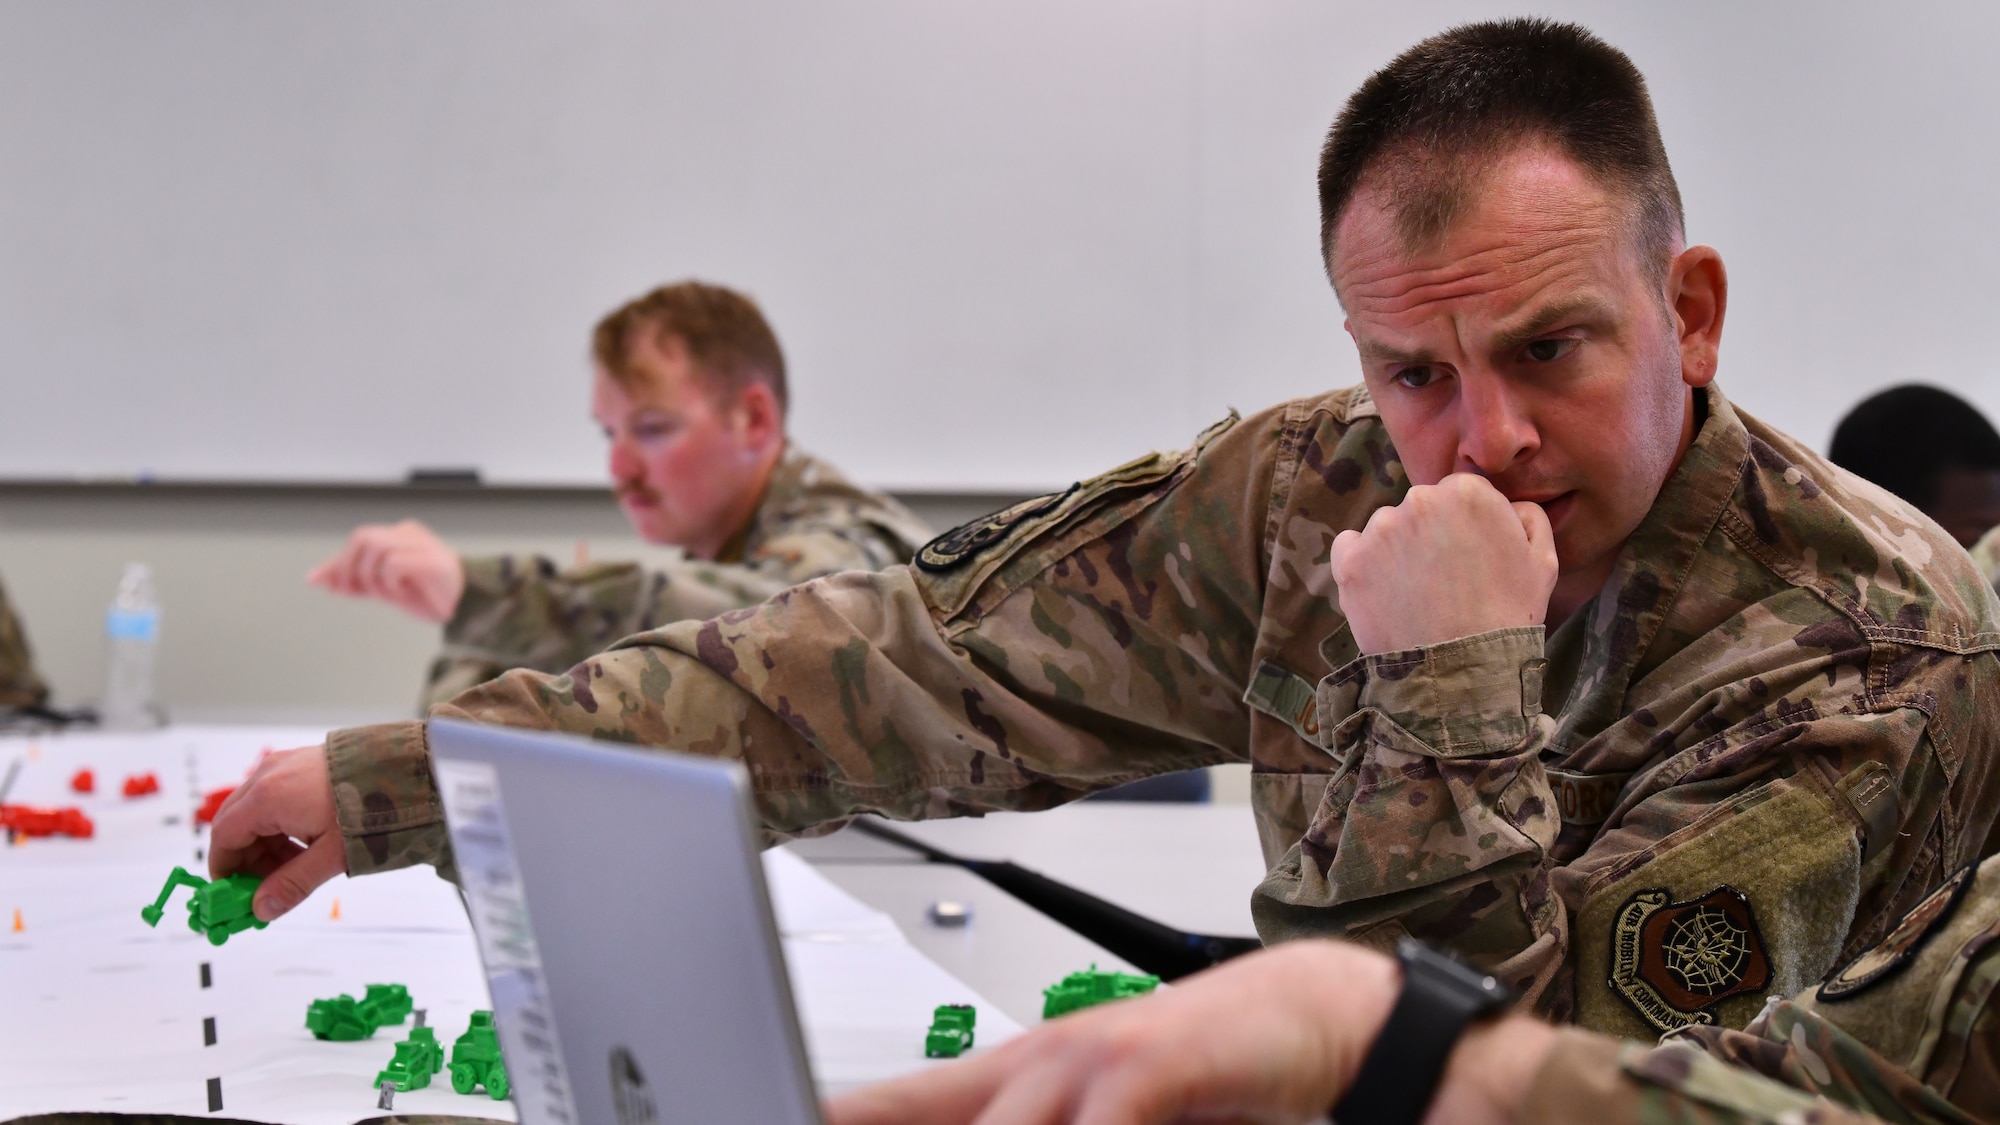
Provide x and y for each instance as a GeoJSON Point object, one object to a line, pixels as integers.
{"type": "Point", "coordinates": [1698, 291]}
{"type": "Point", "coordinates": [759, 421]}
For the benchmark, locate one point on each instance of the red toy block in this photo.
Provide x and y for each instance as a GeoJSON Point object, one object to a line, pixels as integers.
{"type": "Point", "coordinates": [83, 782]}
{"type": "Point", "coordinates": [140, 784]}
{"type": "Point", "coordinates": [212, 804]}
{"type": "Point", "coordinates": [30, 821]}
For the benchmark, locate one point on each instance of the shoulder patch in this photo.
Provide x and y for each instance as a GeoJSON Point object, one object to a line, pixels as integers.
{"type": "Point", "coordinates": [968, 539]}
{"type": "Point", "coordinates": [1672, 962]}
{"type": "Point", "coordinates": [1894, 951]}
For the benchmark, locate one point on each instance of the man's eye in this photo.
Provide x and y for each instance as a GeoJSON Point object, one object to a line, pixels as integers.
{"type": "Point", "coordinates": [1548, 351]}
{"type": "Point", "coordinates": [1415, 377]}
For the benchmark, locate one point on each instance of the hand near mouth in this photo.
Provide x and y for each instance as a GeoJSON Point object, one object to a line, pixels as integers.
{"type": "Point", "coordinates": [1454, 559]}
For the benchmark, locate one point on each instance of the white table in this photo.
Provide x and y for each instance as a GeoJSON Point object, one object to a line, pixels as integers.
{"type": "Point", "coordinates": [1192, 867]}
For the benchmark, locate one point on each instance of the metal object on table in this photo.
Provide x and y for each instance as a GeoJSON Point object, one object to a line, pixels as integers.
{"type": "Point", "coordinates": [949, 913]}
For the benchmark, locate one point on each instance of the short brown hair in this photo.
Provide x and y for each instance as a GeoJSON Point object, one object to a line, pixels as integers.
{"type": "Point", "coordinates": [723, 330]}
{"type": "Point", "coordinates": [1452, 103]}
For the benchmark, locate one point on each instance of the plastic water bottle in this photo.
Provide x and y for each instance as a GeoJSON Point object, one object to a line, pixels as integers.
{"type": "Point", "coordinates": [131, 637]}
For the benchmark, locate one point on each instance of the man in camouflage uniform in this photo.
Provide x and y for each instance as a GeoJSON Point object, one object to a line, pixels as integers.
{"type": "Point", "coordinates": [1935, 450]}
{"type": "Point", "coordinates": [1747, 744]}
{"type": "Point", "coordinates": [690, 390]}
{"type": "Point", "coordinates": [1908, 1032]}
{"type": "Point", "coordinates": [20, 685]}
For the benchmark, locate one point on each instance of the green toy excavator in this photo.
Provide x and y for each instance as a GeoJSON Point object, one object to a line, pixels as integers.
{"type": "Point", "coordinates": [218, 909]}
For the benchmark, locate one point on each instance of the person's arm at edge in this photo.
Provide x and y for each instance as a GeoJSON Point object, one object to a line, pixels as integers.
{"type": "Point", "coordinates": [1282, 1034]}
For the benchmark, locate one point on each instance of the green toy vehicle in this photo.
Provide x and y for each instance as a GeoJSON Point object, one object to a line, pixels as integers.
{"type": "Point", "coordinates": [475, 1059]}
{"type": "Point", "coordinates": [951, 1031]}
{"type": "Point", "coordinates": [343, 1018]}
{"type": "Point", "coordinates": [217, 910]}
{"type": "Point", "coordinates": [1091, 987]}
{"type": "Point", "coordinates": [386, 1004]}
{"type": "Point", "coordinates": [416, 1059]}
{"type": "Point", "coordinates": [339, 1019]}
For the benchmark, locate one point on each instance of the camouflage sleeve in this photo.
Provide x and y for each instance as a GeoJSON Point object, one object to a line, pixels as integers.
{"type": "Point", "coordinates": [1066, 645]}
{"type": "Point", "coordinates": [1589, 1079]}
{"type": "Point", "coordinates": [1442, 818]}
{"type": "Point", "coordinates": [20, 684]}
{"type": "Point", "coordinates": [523, 612]}
{"type": "Point", "coordinates": [1904, 1032]}
{"type": "Point", "coordinates": [1908, 1029]}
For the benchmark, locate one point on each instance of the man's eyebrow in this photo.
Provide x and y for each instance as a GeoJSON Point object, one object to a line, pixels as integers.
{"type": "Point", "coordinates": [1549, 319]}
{"type": "Point", "coordinates": [1372, 352]}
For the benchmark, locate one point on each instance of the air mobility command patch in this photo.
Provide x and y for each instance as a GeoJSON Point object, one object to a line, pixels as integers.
{"type": "Point", "coordinates": [967, 540]}
{"type": "Point", "coordinates": [1674, 961]}
{"type": "Point", "coordinates": [1895, 950]}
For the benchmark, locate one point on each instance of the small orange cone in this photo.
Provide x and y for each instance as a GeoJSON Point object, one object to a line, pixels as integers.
{"type": "Point", "coordinates": [18, 927]}
{"type": "Point", "coordinates": [335, 916]}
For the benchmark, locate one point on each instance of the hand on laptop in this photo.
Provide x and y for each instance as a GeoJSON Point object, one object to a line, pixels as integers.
{"type": "Point", "coordinates": [279, 824]}
{"type": "Point", "coordinates": [404, 564]}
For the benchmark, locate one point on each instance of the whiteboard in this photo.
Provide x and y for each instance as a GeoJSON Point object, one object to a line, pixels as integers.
{"type": "Point", "coordinates": [1005, 243]}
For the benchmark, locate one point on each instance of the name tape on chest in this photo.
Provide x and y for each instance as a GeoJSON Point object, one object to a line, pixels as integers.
{"type": "Point", "coordinates": [1585, 798]}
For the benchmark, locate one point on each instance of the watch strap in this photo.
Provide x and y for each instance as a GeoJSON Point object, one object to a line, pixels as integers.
{"type": "Point", "coordinates": [1400, 1074]}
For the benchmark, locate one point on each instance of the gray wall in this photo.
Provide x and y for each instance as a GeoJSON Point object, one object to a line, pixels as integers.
{"type": "Point", "coordinates": [240, 630]}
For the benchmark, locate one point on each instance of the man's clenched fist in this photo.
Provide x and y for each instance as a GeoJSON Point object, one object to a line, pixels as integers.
{"type": "Point", "coordinates": [1453, 559]}
{"type": "Point", "coordinates": [404, 564]}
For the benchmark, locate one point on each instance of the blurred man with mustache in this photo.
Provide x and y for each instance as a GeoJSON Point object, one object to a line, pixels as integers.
{"type": "Point", "coordinates": [1541, 650]}
{"type": "Point", "coordinates": [689, 388]}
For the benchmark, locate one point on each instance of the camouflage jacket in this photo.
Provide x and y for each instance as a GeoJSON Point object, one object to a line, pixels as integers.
{"type": "Point", "coordinates": [1908, 1032]}
{"type": "Point", "coordinates": [521, 612]}
{"type": "Point", "coordinates": [20, 684]}
{"type": "Point", "coordinates": [1742, 761]}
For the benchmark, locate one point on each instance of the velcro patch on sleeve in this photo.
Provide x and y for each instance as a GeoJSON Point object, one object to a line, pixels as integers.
{"type": "Point", "coordinates": [968, 539]}
{"type": "Point", "coordinates": [1886, 957]}
{"type": "Point", "coordinates": [1752, 897]}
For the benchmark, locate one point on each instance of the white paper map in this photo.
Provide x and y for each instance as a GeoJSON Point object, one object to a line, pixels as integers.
{"type": "Point", "coordinates": [106, 1014]}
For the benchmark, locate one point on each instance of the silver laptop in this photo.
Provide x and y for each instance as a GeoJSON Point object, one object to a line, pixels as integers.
{"type": "Point", "coordinates": [621, 911]}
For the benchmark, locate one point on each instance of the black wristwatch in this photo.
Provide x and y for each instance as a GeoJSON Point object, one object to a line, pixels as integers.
{"type": "Point", "coordinates": [1400, 1075]}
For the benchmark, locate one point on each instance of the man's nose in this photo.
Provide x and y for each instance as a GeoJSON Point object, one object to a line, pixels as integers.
{"type": "Point", "coordinates": [1496, 432]}
{"type": "Point", "coordinates": [625, 464]}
